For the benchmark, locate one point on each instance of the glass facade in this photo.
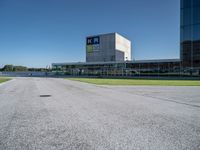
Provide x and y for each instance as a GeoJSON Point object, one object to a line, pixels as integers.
{"type": "Point", "coordinates": [190, 33]}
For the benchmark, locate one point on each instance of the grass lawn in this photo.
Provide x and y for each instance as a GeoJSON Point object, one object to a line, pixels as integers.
{"type": "Point", "coordinates": [2, 79]}
{"type": "Point", "coordinates": [138, 82]}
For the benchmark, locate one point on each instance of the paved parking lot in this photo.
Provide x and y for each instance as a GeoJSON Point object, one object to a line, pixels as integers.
{"type": "Point", "coordinates": [48, 114]}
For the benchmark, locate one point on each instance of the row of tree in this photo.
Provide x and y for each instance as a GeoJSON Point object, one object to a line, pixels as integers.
{"type": "Point", "coordinates": [14, 68]}
{"type": "Point", "coordinates": [10, 68]}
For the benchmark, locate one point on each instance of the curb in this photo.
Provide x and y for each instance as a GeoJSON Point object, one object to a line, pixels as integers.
{"type": "Point", "coordinates": [1, 84]}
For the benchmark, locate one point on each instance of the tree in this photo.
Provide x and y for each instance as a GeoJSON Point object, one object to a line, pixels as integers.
{"type": "Point", "coordinates": [19, 68]}
{"type": "Point", "coordinates": [14, 68]}
{"type": "Point", "coordinates": [7, 68]}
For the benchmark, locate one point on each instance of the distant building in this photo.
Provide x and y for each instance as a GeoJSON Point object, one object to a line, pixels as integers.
{"type": "Point", "coordinates": [110, 54]}
{"type": "Point", "coordinates": [108, 48]}
{"type": "Point", "coordinates": [190, 33]}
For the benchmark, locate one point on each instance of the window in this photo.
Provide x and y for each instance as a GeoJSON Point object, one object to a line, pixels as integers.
{"type": "Point", "coordinates": [196, 32]}
{"type": "Point", "coordinates": [186, 33]}
{"type": "Point", "coordinates": [196, 15]}
{"type": "Point", "coordinates": [186, 16]}
{"type": "Point", "coordinates": [186, 3]}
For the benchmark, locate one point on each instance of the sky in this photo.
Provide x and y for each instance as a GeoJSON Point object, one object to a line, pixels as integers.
{"type": "Point", "coordinates": [36, 33]}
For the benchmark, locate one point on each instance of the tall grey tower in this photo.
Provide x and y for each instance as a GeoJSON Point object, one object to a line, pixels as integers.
{"type": "Point", "coordinates": [190, 33]}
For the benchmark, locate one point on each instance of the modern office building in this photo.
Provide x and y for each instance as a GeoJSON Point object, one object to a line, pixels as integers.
{"type": "Point", "coordinates": [190, 33]}
{"type": "Point", "coordinates": [110, 54]}
{"type": "Point", "coordinates": [107, 48]}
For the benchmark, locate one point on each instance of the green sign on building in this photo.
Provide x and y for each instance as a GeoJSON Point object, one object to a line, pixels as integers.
{"type": "Point", "coordinates": [89, 48]}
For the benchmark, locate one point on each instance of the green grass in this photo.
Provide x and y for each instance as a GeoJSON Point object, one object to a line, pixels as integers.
{"type": "Point", "coordinates": [138, 82]}
{"type": "Point", "coordinates": [2, 79]}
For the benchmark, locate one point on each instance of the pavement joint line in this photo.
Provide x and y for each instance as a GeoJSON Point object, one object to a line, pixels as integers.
{"type": "Point", "coordinates": [169, 100]}
{"type": "Point", "coordinates": [161, 99]}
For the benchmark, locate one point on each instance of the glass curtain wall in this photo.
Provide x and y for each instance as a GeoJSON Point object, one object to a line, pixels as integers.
{"type": "Point", "coordinates": [190, 33]}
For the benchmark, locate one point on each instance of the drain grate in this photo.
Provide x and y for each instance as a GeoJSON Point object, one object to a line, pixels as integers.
{"type": "Point", "coordinates": [45, 95]}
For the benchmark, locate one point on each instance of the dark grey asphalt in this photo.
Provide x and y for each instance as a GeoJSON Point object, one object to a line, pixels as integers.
{"type": "Point", "coordinates": [84, 117]}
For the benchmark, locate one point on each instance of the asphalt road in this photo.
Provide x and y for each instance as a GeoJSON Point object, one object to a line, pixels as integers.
{"type": "Point", "coordinates": [84, 116]}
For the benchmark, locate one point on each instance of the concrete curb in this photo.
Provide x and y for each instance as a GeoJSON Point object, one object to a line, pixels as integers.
{"type": "Point", "coordinates": [1, 84]}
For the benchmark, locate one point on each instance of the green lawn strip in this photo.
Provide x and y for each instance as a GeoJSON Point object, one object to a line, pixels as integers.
{"type": "Point", "coordinates": [2, 79]}
{"type": "Point", "coordinates": [138, 82]}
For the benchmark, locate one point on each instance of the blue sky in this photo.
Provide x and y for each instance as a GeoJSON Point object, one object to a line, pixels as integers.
{"type": "Point", "coordinates": [36, 33]}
